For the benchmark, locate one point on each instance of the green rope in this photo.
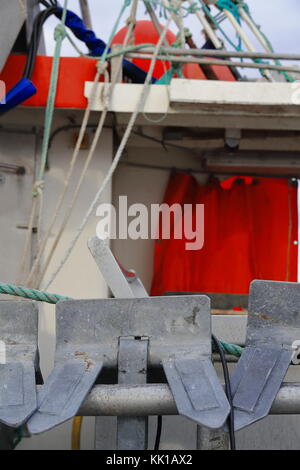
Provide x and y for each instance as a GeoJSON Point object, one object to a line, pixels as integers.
{"type": "Point", "coordinates": [114, 30]}
{"type": "Point", "coordinates": [244, 5]}
{"type": "Point", "coordinates": [230, 6]}
{"type": "Point", "coordinates": [233, 9]}
{"type": "Point", "coordinates": [232, 349]}
{"type": "Point", "coordinates": [176, 67]}
{"type": "Point", "coordinates": [41, 296]}
{"type": "Point", "coordinates": [59, 35]}
{"type": "Point", "coordinates": [233, 6]}
{"type": "Point", "coordinates": [214, 21]}
{"type": "Point", "coordinates": [187, 10]}
{"type": "Point", "coordinates": [32, 294]}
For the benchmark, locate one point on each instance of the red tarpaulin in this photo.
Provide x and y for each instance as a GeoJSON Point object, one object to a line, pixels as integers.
{"type": "Point", "coordinates": [249, 233]}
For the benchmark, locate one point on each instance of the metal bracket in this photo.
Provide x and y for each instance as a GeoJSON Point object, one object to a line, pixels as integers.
{"type": "Point", "coordinates": [197, 390]}
{"type": "Point", "coordinates": [119, 279]}
{"type": "Point", "coordinates": [19, 337]}
{"type": "Point", "coordinates": [122, 283]}
{"type": "Point", "coordinates": [132, 432]}
{"type": "Point", "coordinates": [296, 352]}
{"type": "Point", "coordinates": [273, 326]}
{"type": "Point", "coordinates": [115, 275]}
{"type": "Point", "coordinates": [88, 333]}
{"type": "Point", "coordinates": [233, 138]}
{"type": "Point", "coordinates": [75, 373]}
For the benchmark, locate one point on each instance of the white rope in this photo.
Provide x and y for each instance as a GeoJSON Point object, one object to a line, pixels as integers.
{"type": "Point", "coordinates": [241, 33]}
{"type": "Point", "coordinates": [207, 28]}
{"type": "Point", "coordinates": [254, 29]}
{"type": "Point", "coordinates": [26, 249]}
{"type": "Point", "coordinates": [67, 180]}
{"type": "Point", "coordinates": [80, 181]}
{"type": "Point", "coordinates": [37, 202]}
{"type": "Point", "coordinates": [39, 189]}
{"type": "Point", "coordinates": [101, 69]}
{"type": "Point", "coordinates": [116, 160]}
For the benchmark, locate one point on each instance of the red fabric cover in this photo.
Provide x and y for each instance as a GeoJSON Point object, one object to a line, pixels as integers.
{"type": "Point", "coordinates": [73, 73]}
{"type": "Point", "coordinates": [249, 234]}
{"type": "Point", "coordinates": [228, 182]}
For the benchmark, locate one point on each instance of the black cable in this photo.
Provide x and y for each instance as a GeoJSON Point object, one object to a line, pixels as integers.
{"type": "Point", "coordinates": [158, 433]}
{"type": "Point", "coordinates": [35, 37]}
{"type": "Point", "coordinates": [33, 47]}
{"type": "Point", "coordinates": [47, 4]}
{"type": "Point", "coordinates": [227, 391]}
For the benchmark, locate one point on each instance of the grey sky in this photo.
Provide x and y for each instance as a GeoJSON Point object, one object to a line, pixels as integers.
{"type": "Point", "coordinates": [279, 19]}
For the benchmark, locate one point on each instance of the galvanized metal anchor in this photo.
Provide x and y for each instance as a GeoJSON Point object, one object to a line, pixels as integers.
{"type": "Point", "coordinates": [273, 332]}
{"type": "Point", "coordinates": [131, 335]}
{"type": "Point", "coordinates": [19, 364]}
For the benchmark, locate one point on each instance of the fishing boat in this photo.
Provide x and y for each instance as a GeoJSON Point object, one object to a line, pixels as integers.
{"type": "Point", "coordinates": [149, 229]}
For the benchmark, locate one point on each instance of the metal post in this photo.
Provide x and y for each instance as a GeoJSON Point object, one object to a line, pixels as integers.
{"type": "Point", "coordinates": [132, 432]}
{"type": "Point", "coordinates": [86, 14]}
{"type": "Point", "coordinates": [120, 286]}
{"type": "Point", "coordinates": [116, 64]}
{"type": "Point", "coordinates": [211, 439]}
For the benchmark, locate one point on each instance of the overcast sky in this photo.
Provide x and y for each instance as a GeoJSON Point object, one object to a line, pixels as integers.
{"type": "Point", "coordinates": [279, 20]}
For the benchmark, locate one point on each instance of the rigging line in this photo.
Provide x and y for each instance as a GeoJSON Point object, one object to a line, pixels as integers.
{"type": "Point", "coordinates": [92, 207]}
{"type": "Point", "coordinates": [229, 63]}
{"type": "Point", "coordinates": [77, 189]}
{"type": "Point", "coordinates": [91, 152]}
{"type": "Point", "coordinates": [66, 184]}
{"type": "Point", "coordinates": [100, 69]}
{"type": "Point", "coordinates": [59, 36]}
{"type": "Point", "coordinates": [245, 39]}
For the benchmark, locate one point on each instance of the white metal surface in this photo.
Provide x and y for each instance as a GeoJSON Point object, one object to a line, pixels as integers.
{"type": "Point", "coordinates": [247, 105]}
{"type": "Point", "coordinates": [249, 96]}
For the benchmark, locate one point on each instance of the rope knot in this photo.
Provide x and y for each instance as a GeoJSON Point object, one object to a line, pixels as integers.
{"type": "Point", "coordinates": [60, 32]}
{"type": "Point", "coordinates": [131, 20]}
{"type": "Point", "coordinates": [102, 67]}
{"type": "Point", "coordinates": [38, 187]}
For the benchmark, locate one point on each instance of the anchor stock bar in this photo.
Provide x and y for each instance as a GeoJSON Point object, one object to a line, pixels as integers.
{"type": "Point", "coordinates": [157, 399]}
